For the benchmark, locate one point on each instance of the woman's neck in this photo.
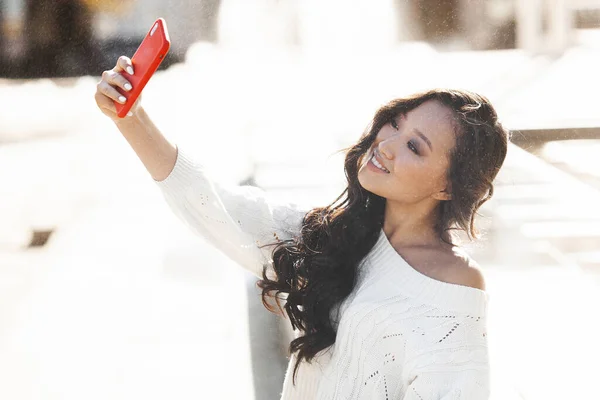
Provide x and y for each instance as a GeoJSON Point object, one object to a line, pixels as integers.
{"type": "Point", "coordinates": [406, 227]}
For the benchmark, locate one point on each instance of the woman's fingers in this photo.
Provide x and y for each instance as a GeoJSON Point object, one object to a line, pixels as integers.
{"type": "Point", "coordinates": [116, 79]}
{"type": "Point", "coordinates": [124, 64]}
{"type": "Point", "coordinates": [107, 88]}
{"type": "Point", "coordinates": [105, 103]}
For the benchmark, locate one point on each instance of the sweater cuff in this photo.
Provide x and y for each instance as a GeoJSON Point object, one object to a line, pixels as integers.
{"type": "Point", "coordinates": [184, 173]}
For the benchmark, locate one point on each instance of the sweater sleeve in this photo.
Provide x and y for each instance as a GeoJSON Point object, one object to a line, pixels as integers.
{"type": "Point", "coordinates": [237, 220]}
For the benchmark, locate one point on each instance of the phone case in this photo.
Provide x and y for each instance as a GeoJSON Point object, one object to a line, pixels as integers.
{"type": "Point", "coordinates": [146, 60]}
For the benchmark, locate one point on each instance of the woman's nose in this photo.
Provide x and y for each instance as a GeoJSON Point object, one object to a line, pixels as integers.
{"type": "Point", "coordinates": [384, 151]}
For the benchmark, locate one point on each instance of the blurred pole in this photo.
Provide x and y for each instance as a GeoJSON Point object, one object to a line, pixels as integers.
{"type": "Point", "coordinates": [473, 24]}
{"type": "Point", "coordinates": [560, 21]}
{"type": "Point", "coordinates": [529, 25]}
{"type": "Point", "coordinates": [408, 26]}
{"type": "Point", "coordinates": [557, 36]}
{"type": "Point", "coordinates": [269, 360]}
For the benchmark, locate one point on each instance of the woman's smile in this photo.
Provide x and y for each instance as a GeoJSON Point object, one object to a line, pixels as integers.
{"type": "Point", "coordinates": [376, 166]}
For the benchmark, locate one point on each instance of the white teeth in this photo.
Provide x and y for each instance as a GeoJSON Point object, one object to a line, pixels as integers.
{"type": "Point", "coordinates": [381, 167]}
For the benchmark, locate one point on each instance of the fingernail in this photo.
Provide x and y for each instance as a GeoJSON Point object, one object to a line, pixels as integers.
{"type": "Point", "coordinates": [127, 86]}
{"type": "Point", "coordinates": [130, 70]}
{"type": "Point", "coordinates": [122, 99]}
{"type": "Point", "coordinates": [129, 114]}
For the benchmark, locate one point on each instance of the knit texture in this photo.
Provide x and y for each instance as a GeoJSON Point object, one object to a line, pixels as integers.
{"type": "Point", "coordinates": [400, 334]}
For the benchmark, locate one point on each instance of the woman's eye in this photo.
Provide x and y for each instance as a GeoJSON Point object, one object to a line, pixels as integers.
{"type": "Point", "coordinates": [413, 148]}
{"type": "Point", "coordinates": [394, 124]}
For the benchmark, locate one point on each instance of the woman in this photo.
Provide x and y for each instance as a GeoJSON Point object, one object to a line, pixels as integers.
{"type": "Point", "coordinates": [383, 302]}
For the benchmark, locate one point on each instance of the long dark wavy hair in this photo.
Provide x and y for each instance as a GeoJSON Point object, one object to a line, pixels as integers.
{"type": "Point", "coordinates": [318, 268]}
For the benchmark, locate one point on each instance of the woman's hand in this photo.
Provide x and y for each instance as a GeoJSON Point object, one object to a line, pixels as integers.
{"type": "Point", "coordinates": [106, 92]}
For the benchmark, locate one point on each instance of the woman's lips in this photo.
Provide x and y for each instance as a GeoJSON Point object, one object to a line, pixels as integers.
{"type": "Point", "coordinates": [374, 167]}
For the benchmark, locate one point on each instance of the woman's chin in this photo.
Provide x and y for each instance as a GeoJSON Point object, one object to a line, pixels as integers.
{"type": "Point", "coordinates": [365, 181]}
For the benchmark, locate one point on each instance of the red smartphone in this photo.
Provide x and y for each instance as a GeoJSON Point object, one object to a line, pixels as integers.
{"type": "Point", "coordinates": [146, 60]}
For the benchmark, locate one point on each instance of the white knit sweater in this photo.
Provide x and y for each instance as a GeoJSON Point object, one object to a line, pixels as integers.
{"type": "Point", "coordinates": [400, 334]}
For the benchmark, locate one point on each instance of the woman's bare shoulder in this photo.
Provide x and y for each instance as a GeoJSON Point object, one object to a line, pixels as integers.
{"type": "Point", "coordinates": [446, 264]}
{"type": "Point", "coordinates": [461, 269]}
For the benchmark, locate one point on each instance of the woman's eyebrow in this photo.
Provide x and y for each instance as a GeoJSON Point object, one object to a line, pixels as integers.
{"type": "Point", "coordinates": [418, 132]}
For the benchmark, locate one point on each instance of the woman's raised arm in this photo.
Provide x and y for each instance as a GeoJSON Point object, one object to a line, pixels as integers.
{"type": "Point", "coordinates": [238, 220]}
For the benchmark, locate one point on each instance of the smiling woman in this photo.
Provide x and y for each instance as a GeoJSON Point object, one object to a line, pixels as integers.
{"type": "Point", "coordinates": [383, 302]}
{"type": "Point", "coordinates": [423, 169]}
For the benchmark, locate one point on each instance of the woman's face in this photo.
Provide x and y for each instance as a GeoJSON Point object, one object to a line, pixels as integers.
{"type": "Point", "coordinates": [414, 150]}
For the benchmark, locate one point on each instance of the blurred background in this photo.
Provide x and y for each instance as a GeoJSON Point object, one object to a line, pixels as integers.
{"type": "Point", "coordinates": [104, 294]}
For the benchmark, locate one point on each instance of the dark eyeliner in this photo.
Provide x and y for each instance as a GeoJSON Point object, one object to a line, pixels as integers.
{"type": "Point", "coordinates": [413, 148]}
